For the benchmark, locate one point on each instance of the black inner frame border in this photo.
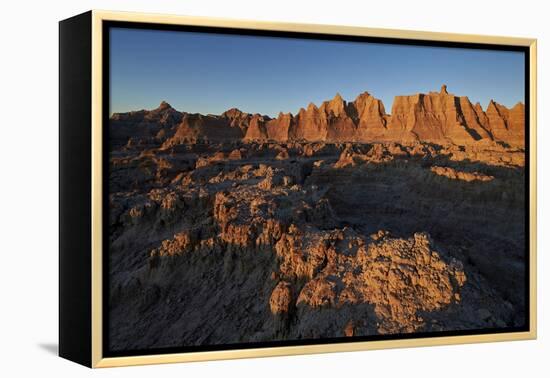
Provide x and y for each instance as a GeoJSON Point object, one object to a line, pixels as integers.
{"type": "Point", "coordinates": [106, 27]}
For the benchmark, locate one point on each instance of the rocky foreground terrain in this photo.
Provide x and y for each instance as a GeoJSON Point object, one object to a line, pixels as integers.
{"type": "Point", "coordinates": [339, 221]}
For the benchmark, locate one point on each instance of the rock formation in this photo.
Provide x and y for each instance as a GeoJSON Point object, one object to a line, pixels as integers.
{"type": "Point", "coordinates": [143, 126]}
{"type": "Point", "coordinates": [458, 175]}
{"type": "Point", "coordinates": [435, 117]}
{"type": "Point", "coordinates": [506, 125]}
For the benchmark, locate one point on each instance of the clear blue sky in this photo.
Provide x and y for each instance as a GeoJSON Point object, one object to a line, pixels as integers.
{"type": "Point", "coordinates": [210, 73]}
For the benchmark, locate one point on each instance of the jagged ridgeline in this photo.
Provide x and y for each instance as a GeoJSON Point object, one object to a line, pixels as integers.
{"type": "Point", "coordinates": [436, 117]}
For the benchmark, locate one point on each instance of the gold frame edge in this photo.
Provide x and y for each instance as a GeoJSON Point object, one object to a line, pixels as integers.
{"type": "Point", "coordinates": [533, 188]}
{"type": "Point", "coordinates": [98, 16]}
{"type": "Point", "coordinates": [97, 189]}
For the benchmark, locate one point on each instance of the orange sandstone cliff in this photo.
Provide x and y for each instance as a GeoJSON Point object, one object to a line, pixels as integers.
{"type": "Point", "coordinates": [436, 117]}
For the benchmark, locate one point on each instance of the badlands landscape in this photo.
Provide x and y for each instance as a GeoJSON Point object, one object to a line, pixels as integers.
{"type": "Point", "coordinates": [340, 220]}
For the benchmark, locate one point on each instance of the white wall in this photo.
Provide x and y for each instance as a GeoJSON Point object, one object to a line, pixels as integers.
{"type": "Point", "coordinates": [28, 211]}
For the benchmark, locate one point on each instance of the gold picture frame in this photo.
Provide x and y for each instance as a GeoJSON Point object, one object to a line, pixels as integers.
{"type": "Point", "coordinates": [90, 331]}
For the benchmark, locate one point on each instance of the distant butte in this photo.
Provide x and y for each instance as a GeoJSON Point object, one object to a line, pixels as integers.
{"type": "Point", "coordinates": [435, 117]}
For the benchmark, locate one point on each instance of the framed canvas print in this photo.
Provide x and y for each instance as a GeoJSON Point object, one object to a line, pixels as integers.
{"type": "Point", "coordinates": [235, 189]}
